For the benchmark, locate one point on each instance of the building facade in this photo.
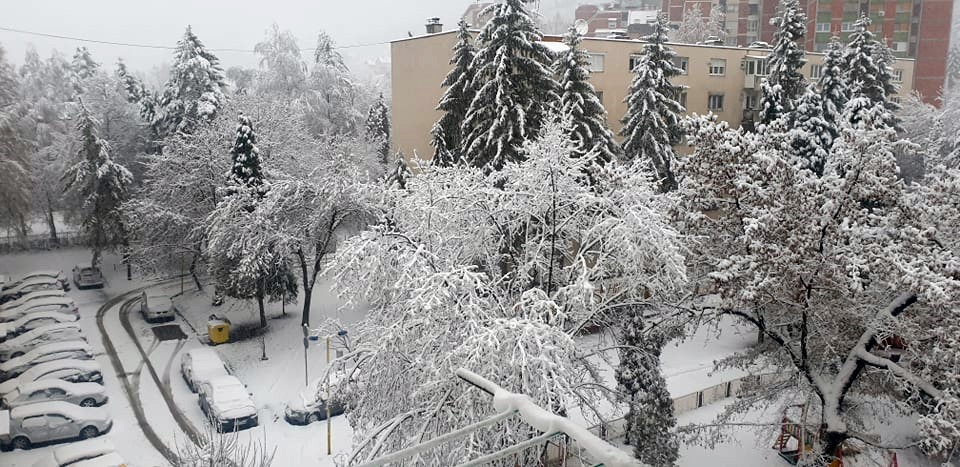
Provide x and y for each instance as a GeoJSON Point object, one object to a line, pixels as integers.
{"type": "Point", "coordinates": [719, 79]}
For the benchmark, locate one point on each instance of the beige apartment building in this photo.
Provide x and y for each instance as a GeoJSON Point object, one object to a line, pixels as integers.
{"type": "Point", "coordinates": [719, 79]}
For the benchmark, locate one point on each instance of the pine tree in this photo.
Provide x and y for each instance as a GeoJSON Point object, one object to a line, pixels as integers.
{"type": "Point", "coordinates": [83, 64]}
{"type": "Point", "coordinates": [194, 93]}
{"type": "Point", "coordinates": [867, 65]}
{"type": "Point", "coordinates": [17, 183]}
{"type": "Point", "coordinates": [810, 134]}
{"type": "Point", "coordinates": [581, 108]}
{"type": "Point", "coordinates": [247, 169]}
{"type": "Point", "coordinates": [446, 134]}
{"type": "Point", "coordinates": [834, 89]}
{"type": "Point", "coordinates": [137, 93]}
{"type": "Point", "coordinates": [641, 386]}
{"type": "Point", "coordinates": [101, 185]}
{"type": "Point", "coordinates": [378, 127]}
{"type": "Point", "coordinates": [651, 126]}
{"type": "Point", "coordinates": [514, 87]}
{"type": "Point", "coordinates": [785, 83]}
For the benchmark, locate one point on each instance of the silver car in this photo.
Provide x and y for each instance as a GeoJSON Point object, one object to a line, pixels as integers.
{"type": "Point", "coordinates": [30, 285]}
{"type": "Point", "coordinates": [26, 342]}
{"type": "Point", "coordinates": [48, 390]}
{"type": "Point", "coordinates": [58, 275]}
{"type": "Point", "coordinates": [33, 321]}
{"type": "Point", "coordinates": [75, 371]}
{"type": "Point", "coordinates": [155, 306]}
{"type": "Point", "coordinates": [32, 296]}
{"type": "Point", "coordinates": [59, 304]}
{"type": "Point", "coordinates": [98, 452]}
{"type": "Point", "coordinates": [87, 277]}
{"type": "Point", "coordinates": [14, 367]}
{"type": "Point", "coordinates": [55, 421]}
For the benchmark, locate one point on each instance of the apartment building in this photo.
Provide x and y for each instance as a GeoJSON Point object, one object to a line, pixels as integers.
{"type": "Point", "coordinates": [719, 79]}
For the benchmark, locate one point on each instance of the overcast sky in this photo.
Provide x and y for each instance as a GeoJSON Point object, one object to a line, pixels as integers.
{"type": "Point", "coordinates": [218, 23]}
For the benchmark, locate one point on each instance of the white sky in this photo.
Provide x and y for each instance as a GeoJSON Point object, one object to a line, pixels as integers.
{"type": "Point", "coordinates": [218, 23]}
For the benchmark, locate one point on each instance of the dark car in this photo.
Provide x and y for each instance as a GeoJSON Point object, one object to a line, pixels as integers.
{"type": "Point", "coordinates": [311, 406]}
{"type": "Point", "coordinates": [87, 277]}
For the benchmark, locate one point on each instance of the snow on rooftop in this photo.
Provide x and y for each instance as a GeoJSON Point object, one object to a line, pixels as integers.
{"type": "Point", "coordinates": [555, 47]}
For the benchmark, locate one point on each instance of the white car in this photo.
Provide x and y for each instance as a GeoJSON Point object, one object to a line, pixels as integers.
{"type": "Point", "coordinates": [74, 371]}
{"type": "Point", "coordinates": [87, 277]}
{"type": "Point", "coordinates": [200, 365]}
{"type": "Point", "coordinates": [26, 342]}
{"type": "Point", "coordinates": [58, 275]}
{"type": "Point", "coordinates": [33, 321]}
{"type": "Point", "coordinates": [14, 367]}
{"type": "Point", "coordinates": [227, 404]}
{"type": "Point", "coordinates": [55, 421]}
{"type": "Point", "coordinates": [33, 296]}
{"type": "Point", "coordinates": [155, 306]}
{"type": "Point", "coordinates": [46, 390]}
{"type": "Point", "coordinates": [77, 454]}
{"type": "Point", "coordinates": [30, 285]}
{"type": "Point", "coordinates": [58, 304]}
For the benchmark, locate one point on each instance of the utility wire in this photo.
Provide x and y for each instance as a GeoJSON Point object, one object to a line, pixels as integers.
{"type": "Point", "coordinates": [162, 47]}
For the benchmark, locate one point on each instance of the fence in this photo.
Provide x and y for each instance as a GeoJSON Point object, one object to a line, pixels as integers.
{"type": "Point", "coordinates": [13, 243]}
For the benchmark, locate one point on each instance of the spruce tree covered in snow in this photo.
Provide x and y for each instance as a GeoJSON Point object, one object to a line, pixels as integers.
{"type": "Point", "coordinates": [446, 135]}
{"type": "Point", "coordinates": [17, 183]}
{"type": "Point", "coordinates": [834, 89]}
{"type": "Point", "coordinates": [378, 127]}
{"type": "Point", "coordinates": [83, 66]}
{"type": "Point", "coordinates": [651, 126]}
{"type": "Point", "coordinates": [137, 93]}
{"type": "Point", "coordinates": [581, 108]}
{"type": "Point", "coordinates": [514, 87]}
{"type": "Point", "coordinates": [809, 133]}
{"type": "Point", "coordinates": [194, 93]}
{"type": "Point", "coordinates": [102, 187]}
{"type": "Point", "coordinates": [641, 385]}
{"type": "Point", "coordinates": [247, 167]}
{"type": "Point", "coordinates": [785, 82]}
{"type": "Point", "coordinates": [867, 64]}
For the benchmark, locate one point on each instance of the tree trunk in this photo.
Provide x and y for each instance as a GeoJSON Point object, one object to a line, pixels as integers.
{"type": "Point", "coordinates": [307, 296]}
{"type": "Point", "coordinates": [95, 261]}
{"type": "Point", "coordinates": [193, 273]}
{"type": "Point", "coordinates": [761, 337]}
{"type": "Point", "coordinates": [263, 312]}
{"type": "Point", "coordinates": [832, 444]}
{"type": "Point", "coordinates": [52, 223]}
{"type": "Point", "coordinates": [23, 230]}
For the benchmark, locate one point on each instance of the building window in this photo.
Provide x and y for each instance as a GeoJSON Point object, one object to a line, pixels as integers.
{"type": "Point", "coordinates": [899, 46]}
{"type": "Point", "coordinates": [751, 102]}
{"type": "Point", "coordinates": [715, 102]}
{"type": "Point", "coordinates": [596, 63]}
{"type": "Point", "coordinates": [755, 67]}
{"type": "Point", "coordinates": [816, 71]}
{"type": "Point", "coordinates": [846, 27]}
{"type": "Point", "coordinates": [718, 67]}
{"type": "Point", "coordinates": [901, 27]}
{"type": "Point", "coordinates": [731, 7]}
{"type": "Point", "coordinates": [634, 61]}
{"type": "Point", "coordinates": [611, 23]}
{"type": "Point", "coordinates": [754, 9]}
{"type": "Point", "coordinates": [823, 27]}
{"type": "Point", "coordinates": [683, 63]}
{"type": "Point", "coordinates": [753, 25]}
{"type": "Point", "coordinates": [904, 7]}
{"type": "Point", "coordinates": [898, 75]}
{"type": "Point", "coordinates": [682, 98]}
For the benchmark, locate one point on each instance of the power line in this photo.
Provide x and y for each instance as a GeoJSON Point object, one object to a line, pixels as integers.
{"type": "Point", "coordinates": [162, 47]}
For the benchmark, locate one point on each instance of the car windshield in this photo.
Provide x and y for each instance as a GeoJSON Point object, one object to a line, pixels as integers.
{"type": "Point", "coordinates": [230, 393]}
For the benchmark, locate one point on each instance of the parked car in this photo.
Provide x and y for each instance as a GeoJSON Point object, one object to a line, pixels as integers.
{"type": "Point", "coordinates": [59, 304]}
{"type": "Point", "coordinates": [155, 306]}
{"type": "Point", "coordinates": [14, 367]}
{"type": "Point", "coordinates": [33, 296]}
{"type": "Point", "coordinates": [4, 280]}
{"type": "Point", "coordinates": [74, 371]}
{"type": "Point", "coordinates": [87, 277]}
{"type": "Point", "coordinates": [759, 45]}
{"type": "Point", "coordinates": [82, 453]}
{"type": "Point", "coordinates": [46, 390]}
{"type": "Point", "coordinates": [311, 406]}
{"type": "Point", "coordinates": [227, 404]}
{"type": "Point", "coordinates": [58, 275]}
{"type": "Point", "coordinates": [32, 321]}
{"type": "Point", "coordinates": [47, 422]}
{"type": "Point", "coordinates": [30, 285]}
{"type": "Point", "coordinates": [200, 365]}
{"type": "Point", "coordinates": [12, 348]}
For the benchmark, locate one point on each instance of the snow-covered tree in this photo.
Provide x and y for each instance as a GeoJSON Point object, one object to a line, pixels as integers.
{"type": "Point", "coordinates": [501, 297]}
{"type": "Point", "coordinates": [137, 93]}
{"type": "Point", "coordinates": [867, 69]}
{"type": "Point", "coordinates": [14, 152]}
{"type": "Point", "coordinates": [651, 126]}
{"type": "Point", "coordinates": [247, 169]}
{"type": "Point", "coordinates": [83, 67]}
{"type": "Point", "coordinates": [102, 187]}
{"type": "Point", "coordinates": [336, 105]}
{"type": "Point", "coordinates": [514, 87]}
{"type": "Point", "coordinates": [785, 82]}
{"type": "Point", "coordinates": [580, 106]}
{"type": "Point", "coordinates": [717, 23]}
{"type": "Point", "coordinates": [194, 92]}
{"type": "Point", "coordinates": [808, 131]}
{"type": "Point", "coordinates": [832, 270]}
{"type": "Point", "coordinates": [834, 89]}
{"type": "Point", "coordinates": [282, 70]}
{"type": "Point", "coordinates": [446, 135]}
{"type": "Point", "coordinates": [241, 80]}
{"type": "Point", "coordinates": [694, 28]}
{"type": "Point", "coordinates": [378, 127]}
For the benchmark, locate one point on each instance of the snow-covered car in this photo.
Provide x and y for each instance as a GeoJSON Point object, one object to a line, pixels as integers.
{"type": "Point", "coordinates": [30, 285]}
{"type": "Point", "coordinates": [46, 390]}
{"type": "Point", "coordinates": [759, 45]}
{"type": "Point", "coordinates": [55, 421]}
{"type": "Point", "coordinates": [4, 280]}
{"type": "Point", "coordinates": [12, 348]}
{"type": "Point", "coordinates": [58, 304]}
{"type": "Point", "coordinates": [156, 306]}
{"type": "Point", "coordinates": [87, 277]}
{"type": "Point", "coordinates": [58, 275]}
{"type": "Point", "coordinates": [14, 367]}
{"type": "Point", "coordinates": [200, 365]}
{"type": "Point", "coordinates": [311, 405]}
{"type": "Point", "coordinates": [74, 371]}
{"type": "Point", "coordinates": [33, 321]}
{"type": "Point", "coordinates": [227, 404]}
{"type": "Point", "coordinates": [33, 296]}
{"type": "Point", "coordinates": [77, 454]}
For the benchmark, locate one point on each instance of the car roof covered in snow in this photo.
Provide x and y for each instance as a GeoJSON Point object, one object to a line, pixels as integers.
{"type": "Point", "coordinates": [52, 347]}
{"type": "Point", "coordinates": [59, 407]}
{"type": "Point", "coordinates": [35, 295]}
{"type": "Point", "coordinates": [34, 333]}
{"type": "Point", "coordinates": [204, 361]}
{"type": "Point", "coordinates": [54, 300]}
{"type": "Point", "coordinates": [31, 281]}
{"type": "Point", "coordinates": [43, 272]}
{"type": "Point", "coordinates": [111, 459]}
{"type": "Point", "coordinates": [82, 450]}
{"type": "Point", "coordinates": [85, 388]}
{"type": "Point", "coordinates": [86, 365]}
